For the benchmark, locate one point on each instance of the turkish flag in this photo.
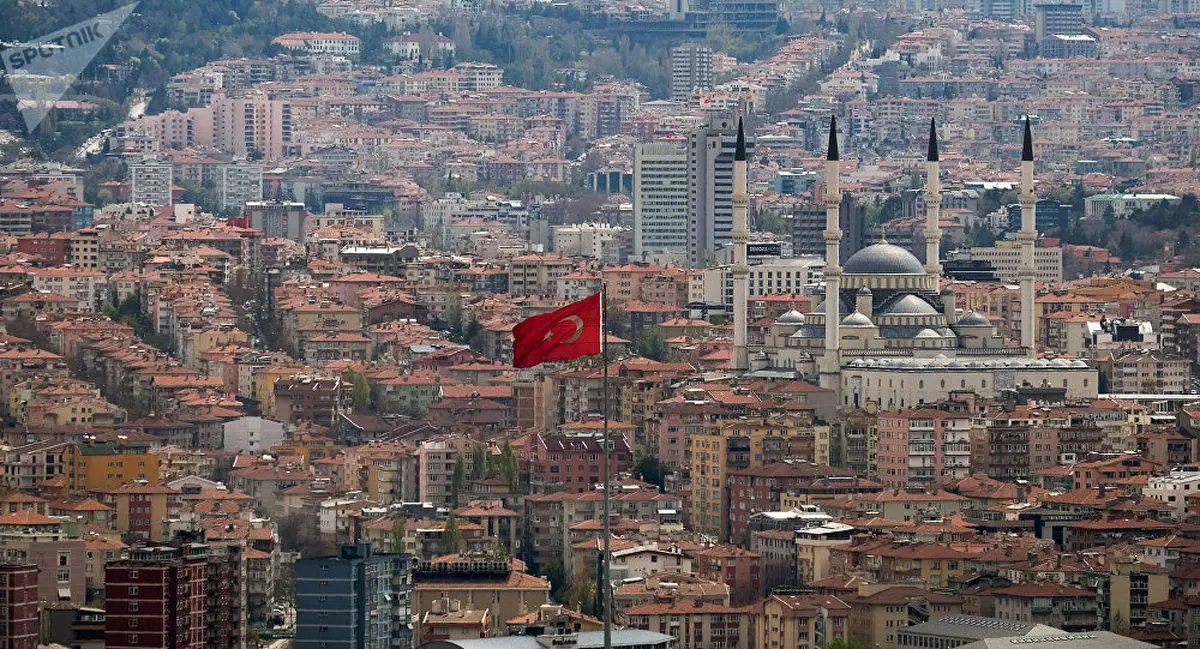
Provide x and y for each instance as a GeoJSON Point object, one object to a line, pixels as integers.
{"type": "Point", "coordinates": [561, 335]}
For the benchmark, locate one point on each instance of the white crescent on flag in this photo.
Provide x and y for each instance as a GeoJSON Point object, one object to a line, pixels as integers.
{"type": "Point", "coordinates": [578, 322]}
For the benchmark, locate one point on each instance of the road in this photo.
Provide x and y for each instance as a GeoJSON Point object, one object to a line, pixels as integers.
{"type": "Point", "coordinates": [95, 144]}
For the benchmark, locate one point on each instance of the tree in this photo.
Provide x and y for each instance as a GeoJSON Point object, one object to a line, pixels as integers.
{"type": "Point", "coordinates": [478, 462]}
{"type": "Point", "coordinates": [360, 396]}
{"type": "Point", "coordinates": [616, 320]}
{"type": "Point", "coordinates": [498, 552]}
{"type": "Point", "coordinates": [508, 466]}
{"type": "Point", "coordinates": [452, 538]}
{"type": "Point", "coordinates": [158, 100]}
{"type": "Point", "coordinates": [285, 586]}
{"type": "Point", "coordinates": [1118, 624]}
{"type": "Point", "coordinates": [844, 643]}
{"type": "Point", "coordinates": [1125, 247]}
{"type": "Point", "coordinates": [649, 469]}
{"type": "Point", "coordinates": [652, 344]}
{"type": "Point", "coordinates": [458, 480]}
{"type": "Point", "coordinates": [398, 534]}
{"type": "Point", "coordinates": [554, 573]}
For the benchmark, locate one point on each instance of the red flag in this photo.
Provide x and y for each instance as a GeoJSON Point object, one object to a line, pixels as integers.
{"type": "Point", "coordinates": [561, 335]}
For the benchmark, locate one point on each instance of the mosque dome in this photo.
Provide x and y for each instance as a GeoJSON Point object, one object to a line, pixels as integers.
{"type": "Point", "coordinates": [973, 319]}
{"type": "Point", "coordinates": [883, 259]}
{"type": "Point", "coordinates": [927, 333]}
{"type": "Point", "coordinates": [791, 317]}
{"type": "Point", "coordinates": [857, 319]}
{"type": "Point", "coordinates": [909, 305]}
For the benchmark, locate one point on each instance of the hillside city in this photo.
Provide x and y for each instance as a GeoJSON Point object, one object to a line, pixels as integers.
{"type": "Point", "coordinates": [901, 326]}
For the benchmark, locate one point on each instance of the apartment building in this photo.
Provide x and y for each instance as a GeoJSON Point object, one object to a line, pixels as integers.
{"type": "Point", "coordinates": [357, 598]}
{"type": "Point", "coordinates": [150, 182]}
{"type": "Point", "coordinates": [691, 69]}
{"type": "Point", "coordinates": [923, 447]}
{"type": "Point", "coordinates": [238, 183]}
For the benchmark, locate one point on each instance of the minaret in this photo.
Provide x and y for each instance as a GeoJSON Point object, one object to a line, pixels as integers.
{"type": "Point", "coordinates": [740, 269]}
{"type": "Point", "coordinates": [933, 208]}
{"type": "Point", "coordinates": [831, 361]}
{"type": "Point", "coordinates": [1026, 237]}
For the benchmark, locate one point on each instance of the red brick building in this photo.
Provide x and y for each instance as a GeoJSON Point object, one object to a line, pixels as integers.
{"type": "Point", "coordinates": [51, 247]}
{"type": "Point", "coordinates": [757, 488]}
{"type": "Point", "coordinates": [739, 569]}
{"type": "Point", "coordinates": [155, 599]}
{"type": "Point", "coordinates": [574, 462]}
{"type": "Point", "coordinates": [19, 584]}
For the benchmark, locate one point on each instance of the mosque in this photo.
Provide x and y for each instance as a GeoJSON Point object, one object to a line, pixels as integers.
{"type": "Point", "coordinates": [897, 341]}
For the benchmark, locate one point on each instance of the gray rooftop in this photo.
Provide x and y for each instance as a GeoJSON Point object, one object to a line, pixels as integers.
{"type": "Point", "coordinates": [1089, 640]}
{"type": "Point", "coordinates": [974, 627]}
{"type": "Point", "coordinates": [587, 640]}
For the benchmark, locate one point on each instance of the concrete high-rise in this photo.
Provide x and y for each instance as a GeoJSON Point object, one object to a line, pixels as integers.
{"type": "Point", "coordinates": [278, 220]}
{"type": "Point", "coordinates": [150, 182]}
{"type": "Point", "coordinates": [660, 202]}
{"type": "Point", "coordinates": [808, 228]}
{"type": "Point", "coordinates": [710, 151]}
{"type": "Point", "coordinates": [1061, 18]}
{"type": "Point", "coordinates": [354, 600]}
{"type": "Point", "coordinates": [238, 183]}
{"type": "Point", "coordinates": [691, 69]}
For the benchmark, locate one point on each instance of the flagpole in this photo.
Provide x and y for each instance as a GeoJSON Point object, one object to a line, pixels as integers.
{"type": "Point", "coordinates": [606, 588]}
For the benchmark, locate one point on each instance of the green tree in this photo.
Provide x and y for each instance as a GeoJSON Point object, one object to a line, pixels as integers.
{"type": "Point", "coordinates": [844, 643]}
{"type": "Point", "coordinates": [452, 538]}
{"type": "Point", "coordinates": [1125, 247]}
{"type": "Point", "coordinates": [479, 459]}
{"type": "Point", "coordinates": [508, 465]}
{"type": "Point", "coordinates": [458, 480]}
{"type": "Point", "coordinates": [652, 344]}
{"type": "Point", "coordinates": [361, 395]}
{"type": "Point", "coordinates": [649, 469]}
{"type": "Point", "coordinates": [498, 552]}
{"type": "Point", "coordinates": [398, 534]}
{"type": "Point", "coordinates": [616, 321]}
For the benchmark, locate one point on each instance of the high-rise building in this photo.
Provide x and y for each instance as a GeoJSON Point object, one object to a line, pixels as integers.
{"type": "Point", "coordinates": [238, 183]}
{"type": "Point", "coordinates": [1061, 18]}
{"type": "Point", "coordinates": [710, 150]}
{"type": "Point", "coordinates": [660, 201]}
{"type": "Point", "coordinates": [354, 600]}
{"type": "Point", "coordinates": [278, 220]}
{"type": "Point", "coordinates": [155, 599]}
{"type": "Point", "coordinates": [691, 69]}
{"type": "Point", "coordinates": [19, 609]}
{"type": "Point", "coordinates": [225, 595]}
{"type": "Point", "coordinates": [150, 182]}
{"type": "Point", "coordinates": [250, 123]}
{"type": "Point", "coordinates": [808, 228]}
